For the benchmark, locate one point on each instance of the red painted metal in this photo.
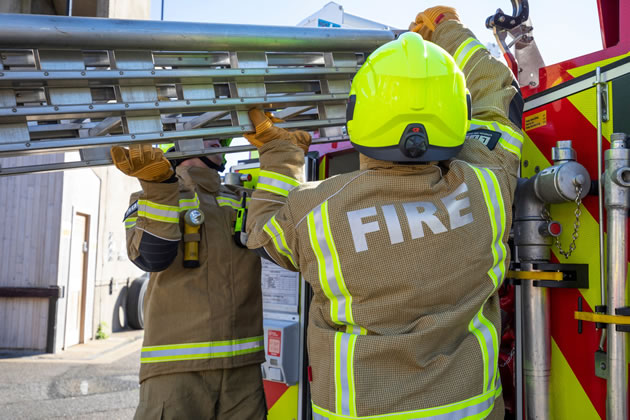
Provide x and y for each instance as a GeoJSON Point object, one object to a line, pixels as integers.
{"type": "Point", "coordinates": [615, 11]}
{"type": "Point", "coordinates": [565, 121]}
{"type": "Point", "coordinates": [273, 391]}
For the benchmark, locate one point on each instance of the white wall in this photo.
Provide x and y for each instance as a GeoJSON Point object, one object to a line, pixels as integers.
{"type": "Point", "coordinates": [113, 266]}
{"type": "Point", "coordinates": [81, 193]}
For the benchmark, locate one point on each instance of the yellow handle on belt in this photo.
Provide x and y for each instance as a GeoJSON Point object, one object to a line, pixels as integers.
{"type": "Point", "coordinates": [193, 219]}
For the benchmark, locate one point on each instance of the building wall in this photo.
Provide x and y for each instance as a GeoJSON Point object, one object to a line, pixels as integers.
{"type": "Point", "coordinates": [30, 206]}
{"type": "Point", "coordinates": [37, 254]}
{"type": "Point", "coordinates": [81, 194]}
{"type": "Point", "coordinates": [125, 9]}
{"type": "Point", "coordinates": [39, 7]}
{"type": "Point", "coordinates": [120, 9]}
{"type": "Point", "coordinates": [114, 270]}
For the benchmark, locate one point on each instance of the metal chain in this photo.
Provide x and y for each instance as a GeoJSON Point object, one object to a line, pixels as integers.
{"type": "Point", "coordinates": [576, 225]}
{"type": "Point", "coordinates": [509, 359]}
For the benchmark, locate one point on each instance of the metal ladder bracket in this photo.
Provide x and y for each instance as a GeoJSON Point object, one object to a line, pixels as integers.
{"type": "Point", "coordinates": [574, 276]}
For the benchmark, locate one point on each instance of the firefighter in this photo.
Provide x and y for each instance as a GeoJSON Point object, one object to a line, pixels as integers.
{"type": "Point", "coordinates": [203, 341]}
{"type": "Point", "coordinates": [405, 255]}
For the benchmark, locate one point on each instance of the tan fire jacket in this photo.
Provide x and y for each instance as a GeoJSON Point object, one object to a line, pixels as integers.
{"type": "Point", "coordinates": [404, 261]}
{"type": "Point", "coordinates": [195, 318]}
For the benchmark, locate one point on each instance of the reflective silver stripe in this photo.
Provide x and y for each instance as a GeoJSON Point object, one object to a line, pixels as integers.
{"type": "Point", "coordinates": [499, 229]}
{"type": "Point", "coordinates": [474, 126]}
{"type": "Point", "coordinates": [475, 407]}
{"type": "Point", "coordinates": [158, 212]}
{"type": "Point", "coordinates": [333, 285]}
{"type": "Point", "coordinates": [234, 202]}
{"type": "Point", "coordinates": [473, 410]}
{"type": "Point", "coordinates": [498, 214]}
{"type": "Point", "coordinates": [189, 203]}
{"type": "Point", "coordinates": [277, 236]}
{"type": "Point", "coordinates": [331, 279]}
{"type": "Point", "coordinates": [343, 374]}
{"type": "Point", "coordinates": [508, 141]}
{"type": "Point", "coordinates": [507, 136]}
{"type": "Point", "coordinates": [202, 350]}
{"type": "Point", "coordinates": [276, 183]}
{"type": "Point", "coordinates": [480, 324]}
{"type": "Point", "coordinates": [466, 50]}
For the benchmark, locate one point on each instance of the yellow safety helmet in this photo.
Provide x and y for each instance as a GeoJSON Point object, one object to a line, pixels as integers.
{"type": "Point", "coordinates": [408, 103]}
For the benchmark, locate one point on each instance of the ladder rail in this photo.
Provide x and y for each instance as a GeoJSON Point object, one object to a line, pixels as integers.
{"type": "Point", "coordinates": [65, 32]}
{"type": "Point", "coordinates": [72, 84]}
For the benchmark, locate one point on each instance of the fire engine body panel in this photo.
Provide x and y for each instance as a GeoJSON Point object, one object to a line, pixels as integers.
{"type": "Point", "coordinates": [68, 90]}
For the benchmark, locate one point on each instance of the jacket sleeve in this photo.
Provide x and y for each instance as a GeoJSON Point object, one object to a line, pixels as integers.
{"type": "Point", "coordinates": [497, 104]}
{"type": "Point", "coordinates": [152, 226]}
{"type": "Point", "coordinates": [270, 227]}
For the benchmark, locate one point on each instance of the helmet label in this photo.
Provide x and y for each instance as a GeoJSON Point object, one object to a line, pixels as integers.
{"type": "Point", "coordinates": [488, 138]}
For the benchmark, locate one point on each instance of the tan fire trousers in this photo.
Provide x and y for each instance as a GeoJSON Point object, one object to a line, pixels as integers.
{"type": "Point", "coordinates": [211, 395]}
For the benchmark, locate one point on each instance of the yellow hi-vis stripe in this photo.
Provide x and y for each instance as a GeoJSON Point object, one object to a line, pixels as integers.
{"type": "Point", "coordinates": [333, 285]}
{"type": "Point", "coordinates": [483, 329]}
{"type": "Point", "coordinates": [130, 222]}
{"type": "Point", "coordinates": [276, 183]}
{"type": "Point", "coordinates": [345, 399]}
{"type": "Point", "coordinates": [510, 140]}
{"type": "Point", "coordinates": [466, 50]}
{"type": "Point", "coordinates": [474, 408]}
{"type": "Point", "coordinates": [189, 203]}
{"type": "Point", "coordinates": [275, 232]}
{"type": "Point", "coordinates": [205, 350]}
{"type": "Point", "coordinates": [232, 202]}
{"type": "Point", "coordinates": [159, 212]}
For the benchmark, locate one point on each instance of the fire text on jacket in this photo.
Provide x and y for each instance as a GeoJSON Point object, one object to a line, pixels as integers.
{"type": "Point", "coordinates": [418, 214]}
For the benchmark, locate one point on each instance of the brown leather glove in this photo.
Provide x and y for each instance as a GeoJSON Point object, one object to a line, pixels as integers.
{"type": "Point", "coordinates": [143, 162]}
{"type": "Point", "coordinates": [426, 21]}
{"type": "Point", "coordinates": [266, 131]}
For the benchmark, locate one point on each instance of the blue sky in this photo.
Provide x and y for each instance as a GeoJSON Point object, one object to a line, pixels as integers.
{"type": "Point", "coordinates": [562, 29]}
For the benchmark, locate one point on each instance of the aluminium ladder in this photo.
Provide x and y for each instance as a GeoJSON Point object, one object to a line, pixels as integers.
{"type": "Point", "coordinates": [71, 84]}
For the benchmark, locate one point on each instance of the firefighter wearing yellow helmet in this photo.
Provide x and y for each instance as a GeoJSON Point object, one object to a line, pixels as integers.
{"type": "Point", "coordinates": [203, 341]}
{"type": "Point", "coordinates": [406, 254]}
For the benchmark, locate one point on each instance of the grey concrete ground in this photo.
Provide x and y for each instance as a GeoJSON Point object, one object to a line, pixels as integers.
{"type": "Point", "coordinates": [96, 381]}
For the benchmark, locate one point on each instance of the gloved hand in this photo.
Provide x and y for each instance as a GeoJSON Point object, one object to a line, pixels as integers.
{"type": "Point", "coordinates": [266, 131]}
{"type": "Point", "coordinates": [426, 21]}
{"type": "Point", "coordinates": [143, 162]}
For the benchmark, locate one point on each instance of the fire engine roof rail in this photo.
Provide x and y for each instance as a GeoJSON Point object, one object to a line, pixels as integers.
{"type": "Point", "coordinates": [82, 84]}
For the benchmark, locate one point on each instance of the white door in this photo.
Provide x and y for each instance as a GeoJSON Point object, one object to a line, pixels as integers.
{"type": "Point", "coordinates": [77, 280]}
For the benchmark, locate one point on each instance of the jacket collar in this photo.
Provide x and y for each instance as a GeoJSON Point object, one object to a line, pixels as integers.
{"type": "Point", "coordinates": [429, 168]}
{"type": "Point", "coordinates": [205, 178]}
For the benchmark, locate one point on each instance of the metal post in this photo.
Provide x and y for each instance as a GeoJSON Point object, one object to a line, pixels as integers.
{"type": "Point", "coordinates": [600, 201]}
{"type": "Point", "coordinates": [537, 349]}
{"type": "Point", "coordinates": [533, 245]}
{"type": "Point", "coordinates": [519, 352]}
{"type": "Point", "coordinates": [617, 184]}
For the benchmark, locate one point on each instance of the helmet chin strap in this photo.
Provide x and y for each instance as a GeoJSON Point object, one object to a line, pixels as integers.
{"type": "Point", "coordinates": [212, 165]}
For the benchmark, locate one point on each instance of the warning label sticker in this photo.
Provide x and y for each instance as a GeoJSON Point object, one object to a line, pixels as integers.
{"type": "Point", "coordinates": [536, 120]}
{"type": "Point", "coordinates": [274, 342]}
